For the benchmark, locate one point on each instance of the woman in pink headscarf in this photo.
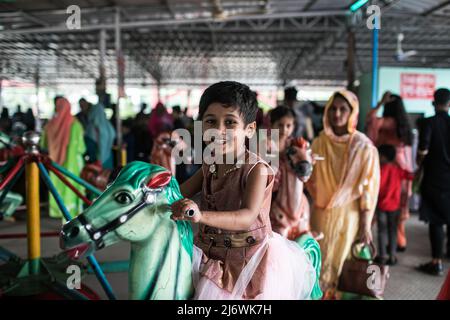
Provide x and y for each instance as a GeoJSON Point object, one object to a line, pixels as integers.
{"type": "Point", "coordinates": [160, 120]}
{"type": "Point", "coordinates": [63, 137]}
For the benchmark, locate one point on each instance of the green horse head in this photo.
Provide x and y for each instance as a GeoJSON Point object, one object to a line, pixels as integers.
{"type": "Point", "coordinates": [136, 208]}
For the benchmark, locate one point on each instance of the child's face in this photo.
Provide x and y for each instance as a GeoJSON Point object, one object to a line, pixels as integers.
{"type": "Point", "coordinates": [230, 126]}
{"type": "Point", "coordinates": [285, 125]}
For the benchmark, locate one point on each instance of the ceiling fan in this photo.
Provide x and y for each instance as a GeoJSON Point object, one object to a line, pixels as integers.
{"type": "Point", "coordinates": [401, 55]}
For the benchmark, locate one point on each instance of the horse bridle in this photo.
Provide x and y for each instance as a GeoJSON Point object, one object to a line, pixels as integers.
{"type": "Point", "coordinates": [97, 234]}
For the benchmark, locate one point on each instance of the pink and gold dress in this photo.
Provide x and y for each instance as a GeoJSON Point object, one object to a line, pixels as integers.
{"type": "Point", "coordinates": [249, 264]}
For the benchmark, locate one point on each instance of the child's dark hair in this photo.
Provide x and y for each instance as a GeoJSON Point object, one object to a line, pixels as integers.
{"type": "Point", "coordinates": [387, 151]}
{"type": "Point", "coordinates": [230, 94]}
{"type": "Point", "coordinates": [280, 112]}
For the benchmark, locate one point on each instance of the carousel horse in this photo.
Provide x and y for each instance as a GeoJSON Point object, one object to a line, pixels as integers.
{"type": "Point", "coordinates": [136, 208]}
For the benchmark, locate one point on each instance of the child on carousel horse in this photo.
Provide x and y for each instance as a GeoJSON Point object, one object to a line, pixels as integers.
{"type": "Point", "coordinates": [290, 210]}
{"type": "Point", "coordinates": [236, 254]}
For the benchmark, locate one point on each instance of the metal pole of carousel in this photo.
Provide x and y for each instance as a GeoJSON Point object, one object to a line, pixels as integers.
{"type": "Point", "coordinates": [33, 208]}
{"type": "Point", "coordinates": [121, 155]}
{"type": "Point", "coordinates": [375, 40]}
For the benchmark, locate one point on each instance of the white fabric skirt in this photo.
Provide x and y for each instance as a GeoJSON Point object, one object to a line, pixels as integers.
{"type": "Point", "coordinates": [290, 274]}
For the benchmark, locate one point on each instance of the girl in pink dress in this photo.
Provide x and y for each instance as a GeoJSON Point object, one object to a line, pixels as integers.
{"type": "Point", "coordinates": [289, 212]}
{"type": "Point", "coordinates": [236, 254]}
{"type": "Point", "coordinates": [159, 120]}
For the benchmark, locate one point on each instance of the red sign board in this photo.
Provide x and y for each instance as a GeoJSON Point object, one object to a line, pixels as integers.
{"type": "Point", "coordinates": [417, 86]}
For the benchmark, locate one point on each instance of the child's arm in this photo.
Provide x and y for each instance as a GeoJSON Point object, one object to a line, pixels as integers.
{"type": "Point", "coordinates": [193, 185]}
{"type": "Point", "coordinates": [236, 220]}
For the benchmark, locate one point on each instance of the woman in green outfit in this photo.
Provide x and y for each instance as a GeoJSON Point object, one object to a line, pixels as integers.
{"type": "Point", "coordinates": [63, 137]}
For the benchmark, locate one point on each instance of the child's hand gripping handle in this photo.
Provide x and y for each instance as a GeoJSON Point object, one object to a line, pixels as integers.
{"type": "Point", "coordinates": [189, 213]}
{"type": "Point", "coordinates": [186, 209]}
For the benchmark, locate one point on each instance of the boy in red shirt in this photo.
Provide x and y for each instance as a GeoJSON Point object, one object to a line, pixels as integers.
{"type": "Point", "coordinates": [389, 203]}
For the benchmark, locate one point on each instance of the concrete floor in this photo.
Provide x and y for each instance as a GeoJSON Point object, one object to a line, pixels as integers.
{"type": "Point", "coordinates": [405, 282]}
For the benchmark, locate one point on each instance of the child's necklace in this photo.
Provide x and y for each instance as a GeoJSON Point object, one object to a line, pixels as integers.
{"type": "Point", "coordinates": [213, 169]}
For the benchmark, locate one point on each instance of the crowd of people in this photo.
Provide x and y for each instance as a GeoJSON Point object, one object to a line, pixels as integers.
{"type": "Point", "coordinates": [18, 123]}
{"type": "Point", "coordinates": [356, 180]}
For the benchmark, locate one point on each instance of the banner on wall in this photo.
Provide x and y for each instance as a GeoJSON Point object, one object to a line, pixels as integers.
{"type": "Point", "coordinates": [417, 85]}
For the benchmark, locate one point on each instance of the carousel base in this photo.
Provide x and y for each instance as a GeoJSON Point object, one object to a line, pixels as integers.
{"type": "Point", "coordinates": [42, 278]}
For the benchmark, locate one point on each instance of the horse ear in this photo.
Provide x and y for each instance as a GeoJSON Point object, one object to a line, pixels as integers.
{"type": "Point", "coordinates": [161, 179]}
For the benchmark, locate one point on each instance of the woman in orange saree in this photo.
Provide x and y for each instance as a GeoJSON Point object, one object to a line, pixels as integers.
{"type": "Point", "coordinates": [344, 186]}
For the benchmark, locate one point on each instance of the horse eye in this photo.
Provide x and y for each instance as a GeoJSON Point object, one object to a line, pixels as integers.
{"type": "Point", "coordinates": [123, 198]}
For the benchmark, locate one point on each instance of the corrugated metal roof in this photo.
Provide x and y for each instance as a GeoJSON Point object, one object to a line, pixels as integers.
{"type": "Point", "coordinates": [199, 40]}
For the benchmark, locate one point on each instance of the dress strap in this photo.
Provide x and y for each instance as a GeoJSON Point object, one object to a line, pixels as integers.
{"type": "Point", "coordinates": [270, 172]}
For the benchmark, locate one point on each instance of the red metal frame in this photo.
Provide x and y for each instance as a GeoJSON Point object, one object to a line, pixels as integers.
{"type": "Point", "coordinates": [12, 173]}
{"type": "Point", "coordinates": [24, 235]}
{"type": "Point", "coordinates": [47, 162]}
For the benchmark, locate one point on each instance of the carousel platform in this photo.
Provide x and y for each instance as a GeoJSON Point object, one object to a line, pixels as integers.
{"type": "Point", "coordinates": [405, 282]}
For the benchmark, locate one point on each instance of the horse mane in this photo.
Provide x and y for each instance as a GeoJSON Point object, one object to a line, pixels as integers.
{"type": "Point", "coordinates": [185, 233]}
